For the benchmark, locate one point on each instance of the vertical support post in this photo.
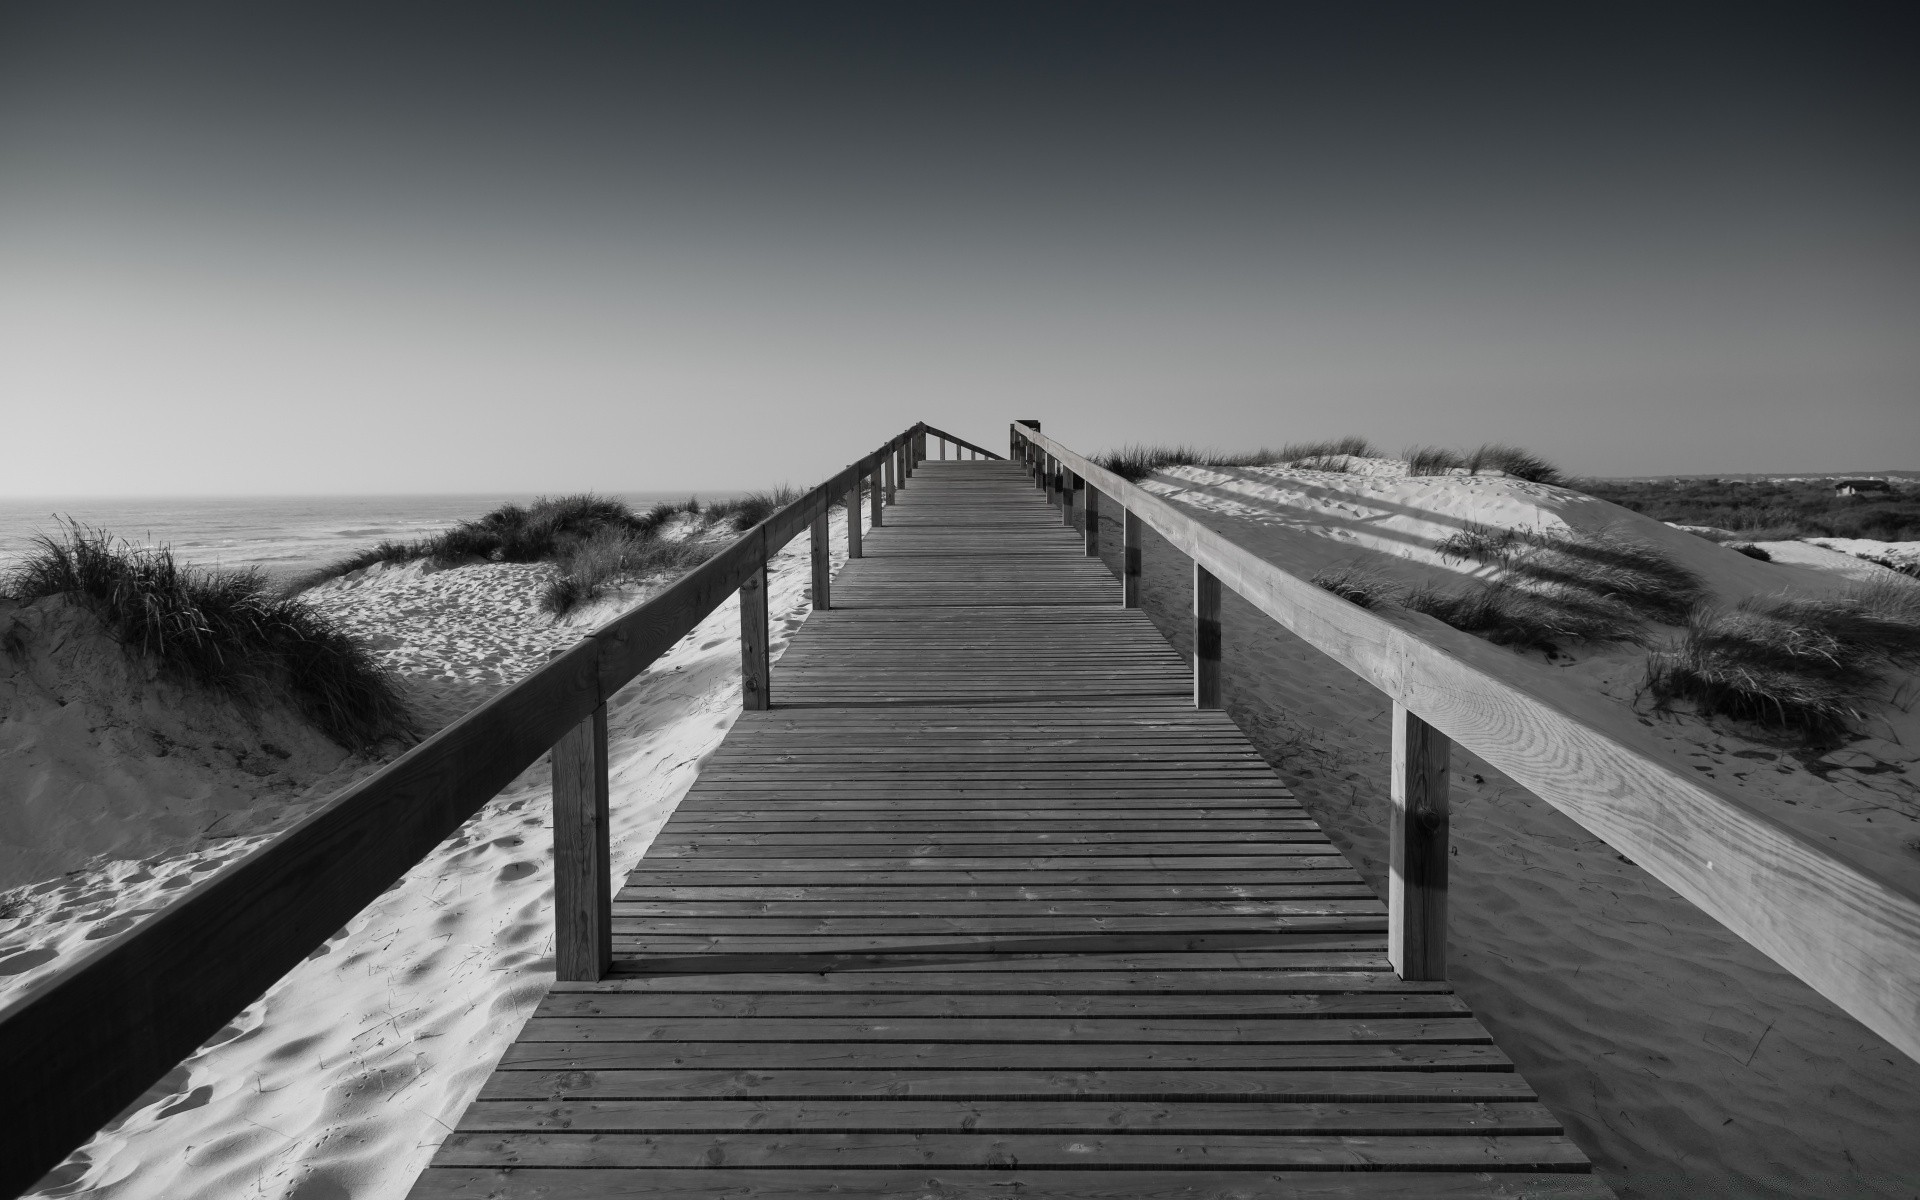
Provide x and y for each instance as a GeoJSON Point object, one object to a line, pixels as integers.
{"type": "Point", "coordinates": [1131, 534]}
{"type": "Point", "coordinates": [853, 519]}
{"type": "Point", "coordinates": [1090, 520]}
{"type": "Point", "coordinates": [943, 448]}
{"type": "Point", "coordinates": [1047, 469]}
{"type": "Point", "coordinates": [890, 468]}
{"type": "Point", "coordinates": [1069, 485]}
{"type": "Point", "coordinates": [582, 883]}
{"type": "Point", "coordinates": [1417, 885]}
{"type": "Point", "coordinates": [1206, 638]}
{"type": "Point", "coordinates": [876, 494]}
{"type": "Point", "coordinates": [756, 666]}
{"type": "Point", "coordinates": [822, 554]}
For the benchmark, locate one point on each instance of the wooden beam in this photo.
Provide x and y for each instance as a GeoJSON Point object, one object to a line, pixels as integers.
{"type": "Point", "coordinates": [876, 497]}
{"type": "Point", "coordinates": [1131, 534]}
{"type": "Point", "coordinates": [854, 520]}
{"type": "Point", "coordinates": [822, 561]}
{"type": "Point", "coordinates": [891, 469]}
{"type": "Point", "coordinates": [756, 668]}
{"type": "Point", "coordinates": [1417, 885]}
{"type": "Point", "coordinates": [1206, 638]}
{"type": "Point", "coordinates": [582, 879]}
{"type": "Point", "coordinates": [1090, 521]}
{"type": "Point", "coordinates": [1069, 484]}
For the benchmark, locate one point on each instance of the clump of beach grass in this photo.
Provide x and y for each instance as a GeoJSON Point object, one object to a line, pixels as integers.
{"type": "Point", "coordinates": [751, 509]}
{"type": "Point", "coordinates": [228, 629]}
{"type": "Point", "coordinates": [1356, 584]}
{"type": "Point", "coordinates": [1134, 463]}
{"type": "Point", "coordinates": [588, 567]}
{"type": "Point", "coordinates": [1553, 588]}
{"type": "Point", "coordinates": [1492, 456]}
{"type": "Point", "coordinates": [1799, 666]}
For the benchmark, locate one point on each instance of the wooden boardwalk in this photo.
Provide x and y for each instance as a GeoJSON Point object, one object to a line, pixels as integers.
{"type": "Point", "coordinates": [985, 907]}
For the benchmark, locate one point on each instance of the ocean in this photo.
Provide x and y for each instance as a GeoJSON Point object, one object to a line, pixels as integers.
{"type": "Point", "coordinates": [284, 536]}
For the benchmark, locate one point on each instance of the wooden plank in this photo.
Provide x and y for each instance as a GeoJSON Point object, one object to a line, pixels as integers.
{"type": "Point", "coordinates": [709, 1184]}
{"type": "Point", "coordinates": [820, 559]}
{"type": "Point", "coordinates": [1417, 848]}
{"type": "Point", "coordinates": [756, 667]}
{"type": "Point", "coordinates": [1008, 1116]}
{"type": "Point", "coordinates": [582, 882]}
{"type": "Point", "coordinates": [967, 1151]}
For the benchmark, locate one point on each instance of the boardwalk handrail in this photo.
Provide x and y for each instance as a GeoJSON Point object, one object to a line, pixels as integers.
{"type": "Point", "coordinates": [1850, 934]}
{"type": "Point", "coordinates": [80, 1046]}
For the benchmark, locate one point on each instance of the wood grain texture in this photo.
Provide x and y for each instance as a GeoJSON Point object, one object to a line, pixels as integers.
{"type": "Point", "coordinates": [1851, 934]}
{"type": "Point", "coordinates": [756, 667]}
{"type": "Point", "coordinates": [582, 883]}
{"type": "Point", "coordinates": [820, 561]}
{"type": "Point", "coordinates": [1206, 639]}
{"type": "Point", "coordinates": [985, 888]}
{"type": "Point", "coordinates": [1417, 849]}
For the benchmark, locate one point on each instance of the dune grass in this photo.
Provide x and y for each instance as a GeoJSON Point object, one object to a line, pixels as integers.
{"type": "Point", "coordinates": [1599, 564]}
{"type": "Point", "coordinates": [229, 629]}
{"type": "Point", "coordinates": [593, 540]}
{"type": "Point", "coordinates": [1799, 666]}
{"type": "Point", "coordinates": [1134, 463]}
{"type": "Point", "coordinates": [1356, 584]}
{"type": "Point", "coordinates": [1553, 588]}
{"type": "Point", "coordinates": [1492, 456]}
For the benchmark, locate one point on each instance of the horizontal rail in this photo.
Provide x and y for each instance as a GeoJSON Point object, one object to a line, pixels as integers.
{"type": "Point", "coordinates": [80, 1046]}
{"type": "Point", "coordinates": [1848, 933]}
{"type": "Point", "coordinates": [962, 442]}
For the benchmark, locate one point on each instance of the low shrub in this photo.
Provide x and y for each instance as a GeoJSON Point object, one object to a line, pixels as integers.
{"type": "Point", "coordinates": [1799, 666]}
{"type": "Point", "coordinates": [749, 510]}
{"type": "Point", "coordinates": [1432, 460]}
{"type": "Point", "coordinates": [229, 629]}
{"type": "Point", "coordinates": [1529, 618]}
{"type": "Point", "coordinates": [1601, 565]}
{"type": "Point", "coordinates": [1520, 464]}
{"type": "Point", "coordinates": [589, 565]}
{"type": "Point", "coordinates": [1134, 463]}
{"type": "Point", "coordinates": [1357, 584]}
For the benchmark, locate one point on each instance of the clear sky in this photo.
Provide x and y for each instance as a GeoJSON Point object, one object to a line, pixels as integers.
{"type": "Point", "coordinates": [467, 247]}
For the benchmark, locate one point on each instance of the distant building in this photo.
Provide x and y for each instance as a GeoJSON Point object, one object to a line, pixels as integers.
{"type": "Point", "coordinates": [1855, 487]}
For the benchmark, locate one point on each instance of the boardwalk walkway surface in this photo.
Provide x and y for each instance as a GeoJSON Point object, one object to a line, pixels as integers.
{"type": "Point", "coordinates": [985, 907]}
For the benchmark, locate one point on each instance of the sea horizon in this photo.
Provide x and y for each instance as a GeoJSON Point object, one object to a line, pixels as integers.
{"type": "Point", "coordinates": [281, 535]}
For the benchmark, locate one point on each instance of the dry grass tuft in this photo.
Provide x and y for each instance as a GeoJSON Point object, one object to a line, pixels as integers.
{"type": "Point", "coordinates": [1795, 665]}
{"type": "Point", "coordinates": [229, 629]}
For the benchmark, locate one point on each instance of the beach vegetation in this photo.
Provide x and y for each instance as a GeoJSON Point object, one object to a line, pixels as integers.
{"type": "Point", "coordinates": [1768, 510]}
{"type": "Point", "coordinates": [228, 629]}
{"type": "Point", "coordinates": [1356, 584]}
{"type": "Point", "coordinates": [1512, 461]}
{"type": "Point", "coordinates": [1800, 666]}
{"type": "Point", "coordinates": [1134, 463]}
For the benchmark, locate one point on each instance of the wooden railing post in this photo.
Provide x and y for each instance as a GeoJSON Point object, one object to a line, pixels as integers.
{"type": "Point", "coordinates": [1069, 488]}
{"type": "Point", "coordinates": [582, 882]}
{"type": "Point", "coordinates": [822, 554]}
{"type": "Point", "coordinates": [1090, 520]}
{"type": "Point", "coordinates": [1206, 638]}
{"type": "Point", "coordinates": [1417, 885]}
{"type": "Point", "coordinates": [1047, 469]}
{"type": "Point", "coordinates": [890, 469]}
{"type": "Point", "coordinates": [1131, 533]}
{"type": "Point", "coordinates": [853, 519]}
{"type": "Point", "coordinates": [756, 666]}
{"type": "Point", "coordinates": [875, 496]}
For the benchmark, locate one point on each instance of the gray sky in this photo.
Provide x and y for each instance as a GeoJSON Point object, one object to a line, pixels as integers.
{"type": "Point", "coordinates": [475, 248]}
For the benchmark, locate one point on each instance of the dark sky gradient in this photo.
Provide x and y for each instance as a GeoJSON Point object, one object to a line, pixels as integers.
{"type": "Point", "coordinates": [462, 247]}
